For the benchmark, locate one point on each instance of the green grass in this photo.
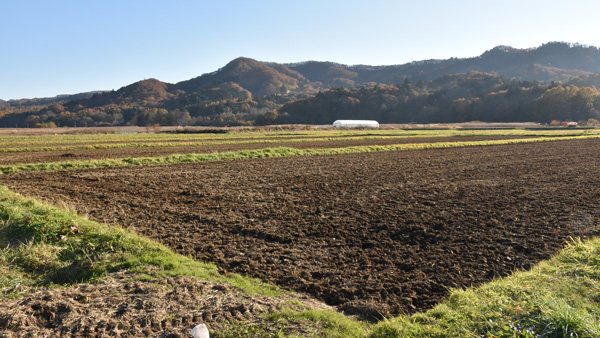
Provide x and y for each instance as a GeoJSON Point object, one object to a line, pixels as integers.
{"type": "Point", "coordinates": [294, 323]}
{"type": "Point", "coordinates": [44, 245]}
{"type": "Point", "coordinates": [329, 323]}
{"type": "Point", "coordinates": [557, 298]}
{"type": "Point", "coordinates": [262, 153]}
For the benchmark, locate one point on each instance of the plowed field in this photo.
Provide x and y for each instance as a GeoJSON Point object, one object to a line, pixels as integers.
{"type": "Point", "coordinates": [386, 231]}
{"type": "Point", "coordinates": [88, 154]}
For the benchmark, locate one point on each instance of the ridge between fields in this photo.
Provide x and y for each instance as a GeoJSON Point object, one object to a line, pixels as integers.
{"type": "Point", "coordinates": [265, 153]}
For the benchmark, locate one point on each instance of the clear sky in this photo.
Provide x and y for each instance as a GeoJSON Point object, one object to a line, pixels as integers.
{"type": "Point", "coordinates": [51, 47]}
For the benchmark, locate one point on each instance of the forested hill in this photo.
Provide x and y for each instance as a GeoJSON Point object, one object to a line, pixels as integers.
{"type": "Point", "coordinates": [556, 61]}
{"type": "Point", "coordinates": [467, 97]}
{"type": "Point", "coordinates": [258, 78]}
{"type": "Point", "coordinates": [247, 91]}
{"type": "Point", "coordinates": [42, 101]}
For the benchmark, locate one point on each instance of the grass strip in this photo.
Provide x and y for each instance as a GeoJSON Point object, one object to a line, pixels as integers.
{"type": "Point", "coordinates": [192, 144]}
{"type": "Point", "coordinates": [203, 143]}
{"type": "Point", "coordinates": [261, 153]}
{"type": "Point", "coordinates": [154, 137]}
{"type": "Point", "coordinates": [557, 298]}
{"type": "Point", "coordinates": [46, 245]}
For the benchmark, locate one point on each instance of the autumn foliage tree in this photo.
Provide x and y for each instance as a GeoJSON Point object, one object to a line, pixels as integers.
{"type": "Point", "coordinates": [567, 103]}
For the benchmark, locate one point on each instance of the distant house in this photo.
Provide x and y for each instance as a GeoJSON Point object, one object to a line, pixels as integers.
{"type": "Point", "coordinates": [355, 124]}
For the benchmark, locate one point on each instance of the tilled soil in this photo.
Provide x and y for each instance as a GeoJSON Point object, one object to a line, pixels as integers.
{"type": "Point", "coordinates": [121, 306]}
{"type": "Point", "coordinates": [387, 231]}
{"type": "Point", "coordinates": [89, 154]}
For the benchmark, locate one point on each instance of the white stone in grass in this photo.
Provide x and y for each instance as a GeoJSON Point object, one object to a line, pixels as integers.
{"type": "Point", "coordinates": [200, 331]}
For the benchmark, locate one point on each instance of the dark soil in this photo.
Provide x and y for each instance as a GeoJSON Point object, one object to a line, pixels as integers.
{"type": "Point", "coordinates": [387, 231]}
{"type": "Point", "coordinates": [120, 306]}
{"type": "Point", "coordinates": [73, 155]}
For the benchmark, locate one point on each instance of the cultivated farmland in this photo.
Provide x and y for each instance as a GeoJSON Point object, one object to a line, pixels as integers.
{"type": "Point", "coordinates": [374, 234]}
{"type": "Point", "coordinates": [119, 150]}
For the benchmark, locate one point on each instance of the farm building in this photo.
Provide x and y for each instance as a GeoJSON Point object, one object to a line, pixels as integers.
{"type": "Point", "coordinates": [355, 123]}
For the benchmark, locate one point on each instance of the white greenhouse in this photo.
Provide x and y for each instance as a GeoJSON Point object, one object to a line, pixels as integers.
{"type": "Point", "coordinates": [355, 123]}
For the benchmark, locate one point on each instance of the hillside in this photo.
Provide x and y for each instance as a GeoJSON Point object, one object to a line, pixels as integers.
{"type": "Point", "coordinates": [555, 61]}
{"type": "Point", "coordinates": [42, 101]}
{"type": "Point", "coordinates": [247, 91]}
{"type": "Point", "coordinates": [257, 77]}
{"type": "Point", "coordinates": [149, 92]}
{"type": "Point", "coordinates": [474, 96]}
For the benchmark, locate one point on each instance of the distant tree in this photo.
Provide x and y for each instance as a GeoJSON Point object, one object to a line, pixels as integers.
{"type": "Point", "coordinates": [32, 119]}
{"type": "Point", "coordinates": [268, 118]}
{"type": "Point", "coordinates": [460, 110]}
{"type": "Point", "coordinates": [45, 125]}
{"type": "Point", "coordinates": [553, 104]}
{"type": "Point", "coordinates": [182, 117]}
{"type": "Point", "coordinates": [582, 103]}
{"type": "Point", "coordinates": [57, 108]}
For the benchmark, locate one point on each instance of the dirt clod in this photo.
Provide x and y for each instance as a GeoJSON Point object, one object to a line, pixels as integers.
{"type": "Point", "coordinates": [114, 309]}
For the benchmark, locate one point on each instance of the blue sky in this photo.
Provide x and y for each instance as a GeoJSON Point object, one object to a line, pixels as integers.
{"type": "Point", "coordinates": [70, 46]}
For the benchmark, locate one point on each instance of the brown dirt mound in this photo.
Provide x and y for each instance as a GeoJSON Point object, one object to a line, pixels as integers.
{"type": "Point", "coordinates": [121, 307]}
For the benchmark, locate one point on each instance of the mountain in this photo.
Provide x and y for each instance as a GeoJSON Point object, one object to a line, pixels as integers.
{"type": "Point", "coordinates": [42, 101]}
{"type": "Point", "coordinates": [555, 61]}
{"type": "Point", "coordinates": [558, 58]}
{"type": "Point", "coordinates": [326, 73]}
{"type": "Point", "coordinates": [245, 90]}
{"type": "Point", "coordinates": [259, 78]}
{"type": "Point", "coordinates": [150, 92]}
{"type": "Point", "coordinates": [241, 78]}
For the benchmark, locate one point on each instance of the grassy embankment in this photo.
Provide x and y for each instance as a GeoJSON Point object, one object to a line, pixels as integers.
{"type": "Point", "coordinates": [45, 245]}
{"type": "Point", "coordinates": [263, 153]}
